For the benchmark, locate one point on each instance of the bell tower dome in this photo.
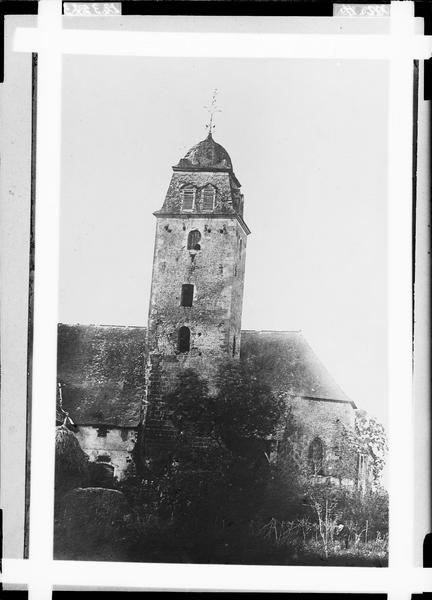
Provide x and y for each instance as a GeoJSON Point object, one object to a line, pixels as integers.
{"type": "Point", "coordinates": [204, 182]}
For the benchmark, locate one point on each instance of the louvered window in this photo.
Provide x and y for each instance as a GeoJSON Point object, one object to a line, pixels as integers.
{"type": "Point", "coordinates": [208, 199]}
{"type": "Point", "coordinates": [188, 199]}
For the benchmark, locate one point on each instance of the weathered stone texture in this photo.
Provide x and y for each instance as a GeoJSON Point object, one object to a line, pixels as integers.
{"type": "Point", "coordinates": [227, 194]}
{"type": "Point", "coordinates": [323, 419]}
{"type": "Point", "coordinates": [206, 164]}
{"type": "Point", "coordinates": [114, 447]}
{"type": "Point", "coordinates": [215, 268]}
{"type": "Point", "coordinates": [216, 271]}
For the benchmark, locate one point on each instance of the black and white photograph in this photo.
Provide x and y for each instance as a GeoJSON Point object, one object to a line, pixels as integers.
{"type": "Point", "coordinates": [222, 338]}
{"type": "Point", "coordinates": [214, 254]}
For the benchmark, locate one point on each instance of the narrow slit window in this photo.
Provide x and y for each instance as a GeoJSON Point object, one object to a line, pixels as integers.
{"type": "Point", "coordinates": [234, 346]}
{"type": "Point", "coordinates": [208, 199]}
{"type": "Point", "coordinates": [188, 199]}
{"type": "Point", "coordinates": [187, 293]}
{"type": "Point", "coordinates": [183, 344]}
{"type": "Point", "coordinates": [193, 240]}
{"type": "Point", "coordinates": [240, 247]}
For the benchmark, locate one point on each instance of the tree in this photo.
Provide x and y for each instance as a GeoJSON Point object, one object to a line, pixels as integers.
{"type": "Point", "coordinates": [368, 440]}
{"type": "Point", "coordinates": [324, 501]}
{"type": "Point", "coordinates": [220, 469]}
{"type": "Point", "coordinates": [240, 416]}
{"type": "Point", "coordinates": [371, 441]}
{"type": "Point", "coordinates": [189, 404]}
{"type": "Point", "coordinates": [347, 450]}
{"type": "Point", "coordinates": [285, 491]}
{"type": "Point", "coordinates": [244, 407]}
{"type": "Point", "coordinates": [71, 462]}
{"type": "Point", "coordinates": [338, 512]}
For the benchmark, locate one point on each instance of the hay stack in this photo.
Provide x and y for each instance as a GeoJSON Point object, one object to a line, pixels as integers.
{"type": "Point", "coordinates": [71, 463]}
{"type": "Point", "coordinates": [97, 524]}
{"type": "Point", "coordinates": [70, 457]}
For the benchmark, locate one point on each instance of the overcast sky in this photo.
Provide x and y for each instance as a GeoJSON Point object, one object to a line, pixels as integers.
{"type": "Point", "coordinates": [308, 141]}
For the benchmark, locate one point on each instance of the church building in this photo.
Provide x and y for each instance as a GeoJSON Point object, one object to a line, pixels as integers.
{"type": "Point", "coordinates": [113, 379]}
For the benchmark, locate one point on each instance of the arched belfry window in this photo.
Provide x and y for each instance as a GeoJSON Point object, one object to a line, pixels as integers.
{"type": "Point", "coordinates": [188, 199]}
{"type": "Point", "coordinates": [316, 456]}
{"type": "Point", "coordinates": [193, 240]}
{"type": "Point", "coordinates": [183, 342]}
{"type": "Point", "coordinates": [208, 196]}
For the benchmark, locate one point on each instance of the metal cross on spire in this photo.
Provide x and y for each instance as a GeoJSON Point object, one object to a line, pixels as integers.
{"type": "Point", "coordinates": [212, 109]}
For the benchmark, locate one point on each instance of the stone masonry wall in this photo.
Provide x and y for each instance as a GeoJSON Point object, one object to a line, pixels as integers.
{"type": "Point", "coordinates": [221, 181]}
{"type": "Point", "coordinates": [216, 271]}
{"type": "Point", "coordinates": [237, 293]}
{"type": "Point", "coordinates": [318, 419]}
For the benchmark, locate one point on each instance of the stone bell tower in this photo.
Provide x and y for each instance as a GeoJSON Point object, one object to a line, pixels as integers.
{"type": "Point", "coordinates": [198, 275]}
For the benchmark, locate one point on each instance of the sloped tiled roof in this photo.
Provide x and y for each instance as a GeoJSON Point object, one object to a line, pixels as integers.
{"type": "Point", "coordinates": [101, 370]}
{"type": "Point", "coordinates": [288, 364]}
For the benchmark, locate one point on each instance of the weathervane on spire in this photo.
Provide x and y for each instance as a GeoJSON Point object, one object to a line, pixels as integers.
{"type": "Point", "coordinates": [212, 109]}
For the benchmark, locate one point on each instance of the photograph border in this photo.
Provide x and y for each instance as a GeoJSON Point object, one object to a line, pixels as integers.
{"type": "Point", "coordinates": [50, 46]}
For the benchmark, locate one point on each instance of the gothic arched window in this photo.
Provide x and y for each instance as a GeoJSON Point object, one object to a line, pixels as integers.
{"type": "Point", "coordinates": [208, 196]}
{"type": "Point", "coordinates": [188, 200]}
{"type": "Point", "coordinates": [193, 240]}
{"type": "Point", "coordinates": [316, 456]}
{"type": "Point", "coordinates": [183, 342]}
